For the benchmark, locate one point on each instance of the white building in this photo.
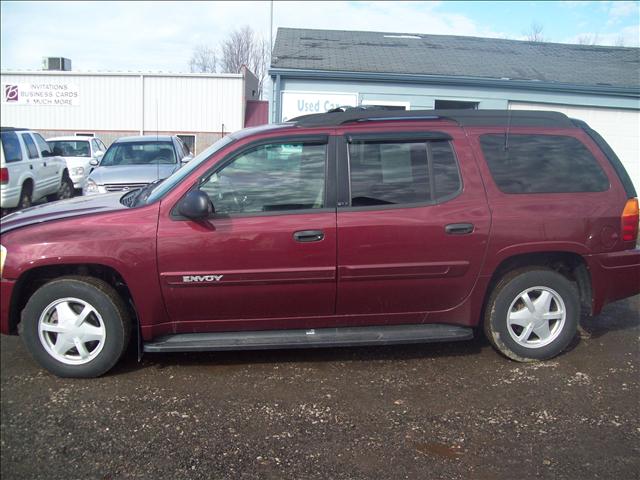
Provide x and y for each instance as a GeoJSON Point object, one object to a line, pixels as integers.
{"type": "Point", "coordinates": [200, 108]}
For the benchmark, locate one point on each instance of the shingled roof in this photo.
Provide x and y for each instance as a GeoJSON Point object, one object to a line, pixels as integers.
{"type": "Point", "coordinates": [448, 55]}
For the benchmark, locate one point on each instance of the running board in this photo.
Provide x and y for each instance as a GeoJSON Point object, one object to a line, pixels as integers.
{"type": "Point", "coordinates": [313, 338]}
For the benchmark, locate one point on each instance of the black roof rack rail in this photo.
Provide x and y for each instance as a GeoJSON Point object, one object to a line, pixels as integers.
{"type": "Point", "coordinates": [464, 118]}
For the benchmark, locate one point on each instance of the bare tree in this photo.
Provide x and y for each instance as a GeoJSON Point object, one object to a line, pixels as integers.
{"type": "Point", "coordinates": [244, 47]}
{"type": "Point", "coordinates": [588, 39]}
{"type": "Point", "coordinates": [620, 41]}
{"type": "Point", "coordinates": [534, 34]}
{"type": "Point", "coordinates": [203, 60]}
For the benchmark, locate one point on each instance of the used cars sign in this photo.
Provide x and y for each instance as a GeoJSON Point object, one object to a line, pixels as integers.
{"type": "Point", "coordinates": [295, 104]}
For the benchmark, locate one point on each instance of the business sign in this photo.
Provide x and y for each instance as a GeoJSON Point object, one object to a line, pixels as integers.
{"type": "Point", "coordinates": [295, 104]}
{"type": "Point", "coordinates": [41, 93]}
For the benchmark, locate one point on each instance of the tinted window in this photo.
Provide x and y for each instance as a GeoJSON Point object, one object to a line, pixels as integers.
{"type": "Point", "coordinates": [95, 145]}
{"type": "Point", "coordinates": [445, 170]}
{"type": "Point", "coordinates": [400, 173]}
{"type": "Point", "coordinates": [11, 147]}
{"type": "Point", "coordinates": [139, 153]}
{"type": "Point", "coordinates": [542, 164]}
{"type": "Point", "coordinates": [43, 146]}
{"type": "Point", "coordinates": [31, 147]}
{"type": "Point", "coordinates": [188, 143]}
{"type": "Point", "coordinates": [70, 148]}
{"type": "Point", "coordinates": [269, 178]}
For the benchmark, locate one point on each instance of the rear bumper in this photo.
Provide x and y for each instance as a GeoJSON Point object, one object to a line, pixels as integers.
{"type": "Point", "coordinates": [6, 289]}
{"type": "Point", "coordinates": [614, 276]}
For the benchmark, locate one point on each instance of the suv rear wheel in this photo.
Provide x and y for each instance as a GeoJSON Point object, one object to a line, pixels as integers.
{"type": "Point", "coordinates": [76, 327]}
{"type": "Point", "coordinates": [25, 197]}
{"type": "Point", "coordinates": [532, 314]}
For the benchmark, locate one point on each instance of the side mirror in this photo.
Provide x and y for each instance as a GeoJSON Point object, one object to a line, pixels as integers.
{"type": "Point", "coordinates": [195, 205]}
{"type": "Point", "coordinates": [94, 162]}
{"type": "Point", "coordinates": [47, 153]}
{"type": "Point", "coordinates": [186, 159]}
{"type": "Point", "coordinates": [99, 153]}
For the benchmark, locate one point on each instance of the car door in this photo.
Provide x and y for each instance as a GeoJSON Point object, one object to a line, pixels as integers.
{"type": "Point", "coordinates": [36, 166]}
{"type": "Point", "coordinates": [267, 257]}
{"type": "Point", "coordinates": [413, 224]}
{"type": "Point", "coordinates": [51, 166]}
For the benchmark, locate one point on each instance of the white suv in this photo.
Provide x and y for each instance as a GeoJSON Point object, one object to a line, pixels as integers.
{"type": "Point", "coordinates": [29, 171]}
{"type": "Point", "coordinates": [78, 152]}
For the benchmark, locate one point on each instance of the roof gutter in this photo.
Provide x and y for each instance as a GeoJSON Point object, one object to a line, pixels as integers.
{"type": "Point", "coordinates": [632, 92]}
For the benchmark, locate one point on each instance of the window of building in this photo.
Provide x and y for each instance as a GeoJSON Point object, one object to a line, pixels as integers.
{"type": "Point", "coordinates": [542, 164]}
{"type": "Point", "coordinates": [391, 173]}
{"type": "Point", "coordinates": [274, 177]}
{"type": "Point", "coordinates": [85, 134]}
{"type": "Point", "coordinates": [190, 142]}
{"type": "Point", "coordinates": [31, 147]}
{"type": "Point", "coordinates": [387, 104]}
{"type": "Point", "coordinates": [455, 105]}
{"type": "Point", "coordinates": [11, 147]}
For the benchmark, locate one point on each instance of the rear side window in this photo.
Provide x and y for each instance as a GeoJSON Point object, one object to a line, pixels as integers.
{"type": "Point", "coordinates": [11, 147]}
{"type": "Point", "coordinates": [542, 164]}
{"type": "Point", "coordinates": [392, 173]}
{"type": "Point", "coordinates": [31, 147]}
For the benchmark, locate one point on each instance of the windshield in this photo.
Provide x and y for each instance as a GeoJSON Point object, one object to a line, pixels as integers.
{"type": "Point", "coordinates": [171, 181]}
{"type": "Point", "coordinates": [139, 153]}
{"type": "Point", "coordinates": [70, 148]}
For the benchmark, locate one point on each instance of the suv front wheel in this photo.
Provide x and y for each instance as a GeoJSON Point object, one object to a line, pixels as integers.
{"type": "Point", "coordinates": [532, 314]}
{"type": "Point", "coordinates": [76, 326]}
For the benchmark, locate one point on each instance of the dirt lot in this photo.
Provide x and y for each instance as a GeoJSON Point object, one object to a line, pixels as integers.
{"type": "Point", "coordinates": [448, 411]}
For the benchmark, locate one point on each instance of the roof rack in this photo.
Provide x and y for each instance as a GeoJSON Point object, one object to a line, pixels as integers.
{"type": "Point", "coordinates": [12, 129]}
{"type": "Point", "coordinates": [464, 118]}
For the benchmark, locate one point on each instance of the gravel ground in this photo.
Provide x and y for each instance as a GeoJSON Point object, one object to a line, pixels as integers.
{"type": "Point", "coordinates": [449, 411]}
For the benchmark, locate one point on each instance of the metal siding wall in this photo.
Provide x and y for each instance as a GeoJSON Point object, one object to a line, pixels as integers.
{"type": "Point", "coordinates": [105, 103]}
{"type": "Point", "coordinates": [112, 103]}
{"type": "Point", "coordinates": [191, 104]}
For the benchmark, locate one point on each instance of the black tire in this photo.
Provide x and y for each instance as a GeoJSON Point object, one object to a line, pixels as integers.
{"type": "Point", "coordinates": [65, 191]}
{"type": "Point", "coordinates": [504, 299]}
{"type": "Point", "coordinates": [105, 301]}
{"type": "Point", "coordinates": [25, 197]}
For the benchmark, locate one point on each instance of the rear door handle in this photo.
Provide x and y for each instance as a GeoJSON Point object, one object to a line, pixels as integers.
{"type": "Point", "coordinates": [459, 228]}
{"type": "Point", "coordinates": [308, 236]}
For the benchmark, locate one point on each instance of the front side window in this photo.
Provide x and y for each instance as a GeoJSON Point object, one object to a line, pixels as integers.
{"type": "Point", "coordinates": [70, 148]}
{"type": "Point", "coordinates": [11, 147]}
{"type": "Point", "coordinates": [542, 164]}
{"type": "Point", "coordinates": [43, 146]}
{"type": "Point", "coordinates": [31, 147]}
{"type": "Point", "coordinates": [409, 172]}
{"type": "Point", "coordinates": [270, 178]}
{"type": "Point", "coordinates": [139, 153]}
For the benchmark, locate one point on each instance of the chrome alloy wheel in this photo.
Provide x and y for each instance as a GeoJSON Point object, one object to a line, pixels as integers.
{"type": "Point", "coordinates": [536, 317]}
{"type": "Point", "coordinates": [71, 331]}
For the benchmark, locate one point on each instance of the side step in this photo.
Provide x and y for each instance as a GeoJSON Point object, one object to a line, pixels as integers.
{"type": "Point", "coordinates": [314, 338]}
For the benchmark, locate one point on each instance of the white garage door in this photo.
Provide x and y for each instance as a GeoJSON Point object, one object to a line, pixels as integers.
{"type": "Point", "coordinates": [619, 127]}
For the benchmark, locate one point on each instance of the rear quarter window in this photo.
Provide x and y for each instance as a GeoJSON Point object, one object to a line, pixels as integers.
{"type": "Point", "coordinates": [11, 147]}
{"type": "Point", "coordinates": [542, 164]}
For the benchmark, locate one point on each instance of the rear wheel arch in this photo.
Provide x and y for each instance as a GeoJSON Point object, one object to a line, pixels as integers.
{"type": "Point", "coordinates": [569, 264]}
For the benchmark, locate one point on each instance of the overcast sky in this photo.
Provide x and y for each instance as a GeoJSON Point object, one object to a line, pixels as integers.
{"type": "Point", "coordinates": [160, 36]}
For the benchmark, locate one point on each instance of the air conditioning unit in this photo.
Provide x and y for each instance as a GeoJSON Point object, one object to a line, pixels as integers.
{"type": "Point", "coordinates": [56, 63]}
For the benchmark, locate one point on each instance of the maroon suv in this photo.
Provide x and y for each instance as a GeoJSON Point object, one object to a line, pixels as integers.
{"type": "Point", "coordinates": [344, 228]}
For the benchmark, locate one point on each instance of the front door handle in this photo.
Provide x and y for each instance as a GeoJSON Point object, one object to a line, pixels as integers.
{"type": "Point", "coordinates": [308, 236]}
{"type": "Point", "coordinates": [459, 228]}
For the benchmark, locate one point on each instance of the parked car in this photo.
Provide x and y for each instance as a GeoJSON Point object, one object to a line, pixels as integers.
{"type": "Point", "coordinates": [336, 229]}
{"type": "Point", "coordinates": [134, 162]}
{"type": "Point", "coordinates": [29, 170]}
{"type": "Point", "coordinates": [78, 152]}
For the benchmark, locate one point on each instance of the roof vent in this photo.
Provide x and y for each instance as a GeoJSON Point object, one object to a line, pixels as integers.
{"type": "Point", "coordinates": [56, 63]}
{"type": "Point", "coordinates": [416, 37]}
